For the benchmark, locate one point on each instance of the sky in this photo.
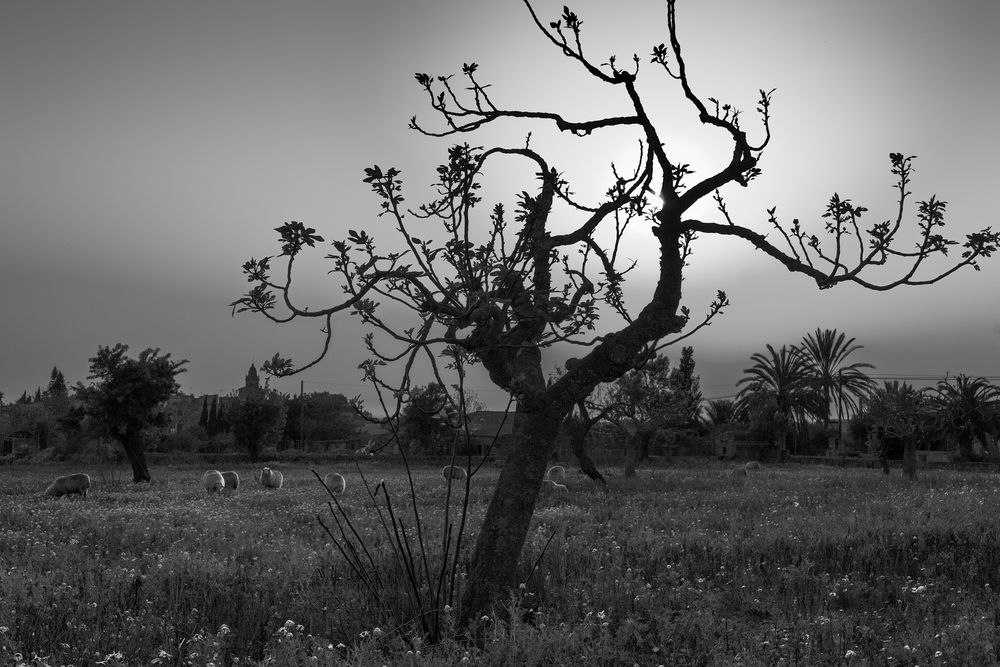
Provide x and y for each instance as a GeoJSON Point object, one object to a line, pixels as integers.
{"type": "Point", "coordinates": [149, 149]}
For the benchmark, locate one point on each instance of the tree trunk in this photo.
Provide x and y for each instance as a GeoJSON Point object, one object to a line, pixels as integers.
{"type": "Point", "coordinates": [636, 451]}
{"type": "Point", "coordinates": [965, 449]}
{"type": "Point", "coordinates": [578, 440]}
{"type": "Point", "coordinates": [132, 442]}
{"type": "Point", "coordinates": [990, 445]}
{"type": "Point", "coordinates": [505, 526]}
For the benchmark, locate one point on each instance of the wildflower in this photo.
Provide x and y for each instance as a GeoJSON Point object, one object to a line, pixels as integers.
{"type": "Point", "coordinates": [484, 618]}
{"type": "Point", "coordinates": [224, 629]}
{"type": "Point", "coordinates": [447, 609]}
{"type": "Point", "coordinates": [850, 653]}
{"type": "Point", "coordinates": [341, 645]}
{"type": "Point", "coordinates": [377, 632]}
{"type": "Point", "coordinates": [601, 615]}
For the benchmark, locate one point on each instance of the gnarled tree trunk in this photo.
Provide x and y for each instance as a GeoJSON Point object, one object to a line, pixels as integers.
{"type": "Point", "coordinates": [135, 451]}
{"type": "Point", "coordinates": [508, 516]}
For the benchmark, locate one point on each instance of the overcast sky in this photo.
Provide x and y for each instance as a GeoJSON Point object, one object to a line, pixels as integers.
{"type": "Point", "coordinates": [148, 149]}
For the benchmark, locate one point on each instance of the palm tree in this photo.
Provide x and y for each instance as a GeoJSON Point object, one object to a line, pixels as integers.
{"type": "Point", "coordinates": [898, 414]}
{"type": "Point", "coordinates": [969, 409]}
{"type": "Point", "coordinates": [780, 379]}
{"type": "Point", "coordinates": [721, 411]}
{"type": "Point", "coordinates": [826, 353]}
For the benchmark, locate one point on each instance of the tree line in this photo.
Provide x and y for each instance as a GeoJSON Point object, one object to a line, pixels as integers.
{"type": "Point", "coordinates": [790, 390]}
{"type": "Point", "coordinates": [127, 399]}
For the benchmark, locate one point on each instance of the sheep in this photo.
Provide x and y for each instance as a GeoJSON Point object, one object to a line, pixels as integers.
{"type": "Point", "coordinates": [556, 474]}
{"type": "Point", "coordinates": [552, 486]}
{"type": "Point", "coordinates": [752, 465]}
{"type": "Point", "coordinates": [335, 482]}
{"type": "Point", "coordinates": [232, 479]}
{"type": "Point", "coordinates": [271, 479]}
{"type": "Point", "coordinates": [75, 483]}
{"type": "Point", "coordinates": [454, 472]}
{"type": "Point", "coordinates": [738, 476]}
{"type": "Point", "coordinates": [213, 481]}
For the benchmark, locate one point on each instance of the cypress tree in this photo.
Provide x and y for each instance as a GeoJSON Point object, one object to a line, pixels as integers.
{"type": "Point", "coordinates": [203, 420]}
{"type": "Point", "coordinates": [213, 417]}
{"type": "Point", "coordinates": [57, 384]}
{"type": "Point", "coordinates": [220, 419]}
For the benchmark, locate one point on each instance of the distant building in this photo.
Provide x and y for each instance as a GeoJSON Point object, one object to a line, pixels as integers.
{"type": "Point", "coordinates": [490, 427]}
{"type": "Point", "coordinates": [251, 386]}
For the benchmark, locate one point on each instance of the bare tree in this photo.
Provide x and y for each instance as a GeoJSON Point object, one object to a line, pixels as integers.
{"type": "Point", "coordinates": [500, 291]}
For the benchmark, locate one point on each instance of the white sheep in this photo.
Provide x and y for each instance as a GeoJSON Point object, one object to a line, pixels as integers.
{"type": "Point", "coordinates": [75, 483]}
{"type": "Point", "coordinates": [752, 465]}
{"type": "Point", "coordinates": [213, 481]}
{"type": "Point", "coordinates": [271, 479]}
{"type": "Point", "coordinates": [454, 472]}
{"type": "Point", "coordinates": [335, 482]}
{"type": "Point", "coordinates": [552, 486]}
{"type": "Point", "coordinates": [556, 474]}
{"type": "Point", "coordinates": [232, 479]}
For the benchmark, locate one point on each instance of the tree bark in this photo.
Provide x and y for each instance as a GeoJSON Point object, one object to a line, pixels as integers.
{"type": "Point", "coordinates": [587, 465]}
{"type": "Point", "coordinates": [134, 450]}
{"type": "Point", "coordinates": [505, 526]}
{"type": "Point", "coordinates": [577, 430]}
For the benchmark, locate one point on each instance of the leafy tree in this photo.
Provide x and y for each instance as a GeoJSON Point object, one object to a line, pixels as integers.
{"type": "Point", "coordinates": [968, 408]}
{"type": "Point", "coordinates": [259, 419]}
{"type": "Point", "coordinates": [499, 290]}
{"type": "Point", "coordinates": [326, 417]}
{"type": "Point", "coordinates": [203, 419]}
{"type": "Point", "coordinates": [777, 392]}
{"type": "Point", "coordinates": [646, 400]}
{"type": "Point", "coordinates": [826, 353]}
{"type": "Point", "coordinates": [428, 419]}
{"type": "Point", "coordinates": [126, 396]}
{"type": "Point", "coordinates": [898, 415]}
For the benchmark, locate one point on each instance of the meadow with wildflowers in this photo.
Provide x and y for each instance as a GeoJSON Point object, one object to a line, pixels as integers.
{"type": "Point", "coordinates": [801, 565]}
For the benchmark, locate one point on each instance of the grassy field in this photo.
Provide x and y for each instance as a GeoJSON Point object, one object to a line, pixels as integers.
{"type": "Point", "coordinates": [802, 565]}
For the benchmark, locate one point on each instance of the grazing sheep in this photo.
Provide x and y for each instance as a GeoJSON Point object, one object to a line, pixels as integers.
{"type": "Point", "coordinates": [550, 486]}
{"type": "Point", "coordinates": [75, 483]}
{"type": "Point", "coordinates": [271, 479]}
{"type": "Point", "coordinates": [232, 479]}
{"type": "Point", "coordinates": [752, 465]}
{"type": "Point", "coordinates": [454, 472]}
{"type": "Point", "coordinates": [213, 481]}
{"type": "Point", "coordinates": [556, 474]}
{"type": "Point", "coordinates": [738, 476]}
{"type": "Point", "coordinates": [335, 482]}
